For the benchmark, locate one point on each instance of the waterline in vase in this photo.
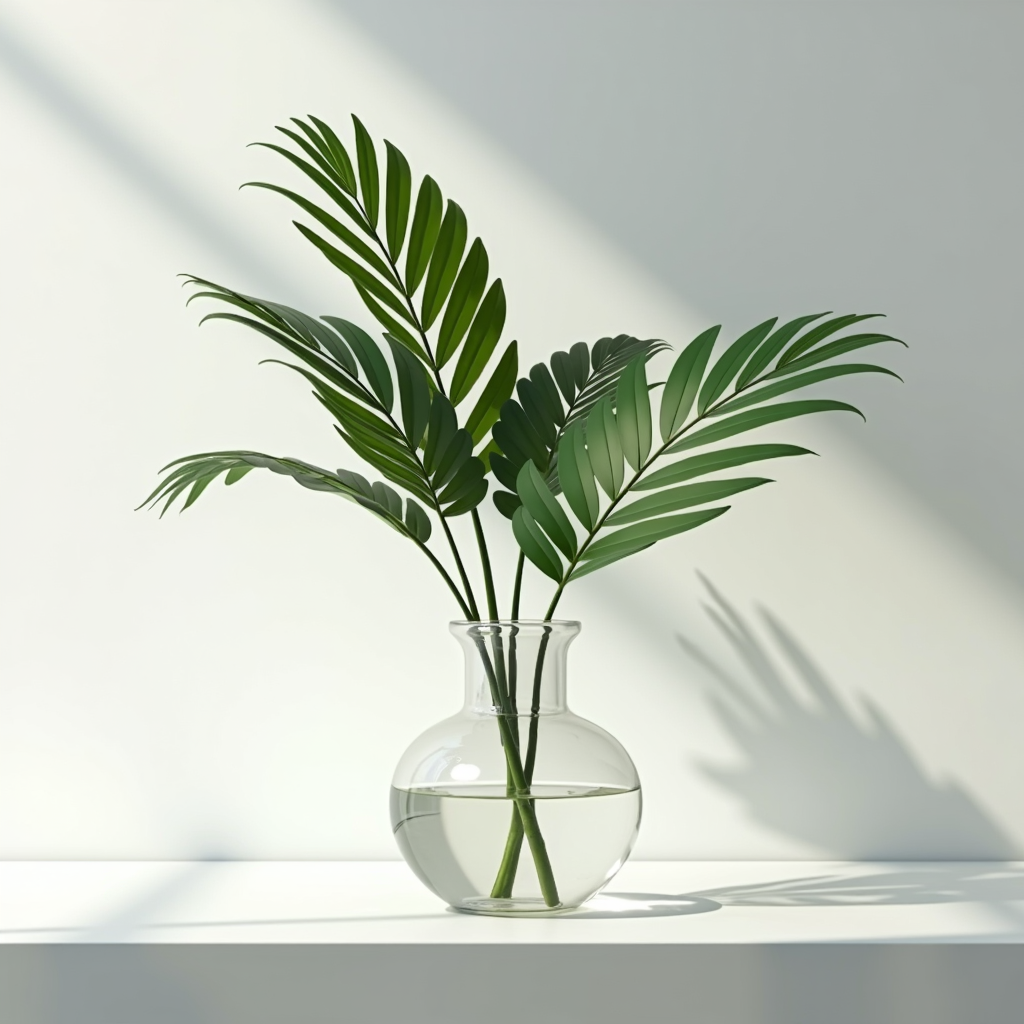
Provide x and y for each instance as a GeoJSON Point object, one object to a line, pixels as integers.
{"type": "Point", "coordinates": [453, 836]}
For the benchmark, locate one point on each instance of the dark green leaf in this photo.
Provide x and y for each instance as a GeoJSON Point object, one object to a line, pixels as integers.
{"type": "Point", "coordinates": [300, 351]}
{"type": "Point", "coordinates": [801, 380]}
{"type": "Point", "coordinates": [580, 356]}
{"type": "Point", "coordinates": [469, 500]}
{"type": "Point", "coordinates": [398, 195]}
{"type": "Point", "coordinates": [516, 436]}
{"type": "Point", "coordinates": [466, 293]}
{"type": "Point", "coordinates": [542, 380]}
{"type": "Point", "coordinates": [772, 346]}
{"type": "Point", "coordinates": [441, 429]}
{"type": "Point", "coordinates": [753, 418]}
{"type": "Point", "coordinates": [640, 535]}
{"type": "Point", "coordinates": [414, 391]}
{"type": "Point", "coordinates": [346, 235]}
{"type": "Point", "coordinates": [369, 182]}
{"type": "Point", "coordinates": [317, 153]}
{"type": "Point", "coordinates": [426, 223]}
{"type": "Point", "coordinates": [562, 368]}
{"type": "Point", "coordinates": [822, 331]}
{"type": "Point", "coordinates": [394, 327]}
{"type": "Point", "coordinates": [729, 364]}
{"type": "Point", "coordinates": [675, 498]}
{"type": "Point", "coordinates": [388, 498]}
{"type": "Point", "coordinates": [356, 271]}
{"type": "Point", "coordinates": [444, 263]}
{"type": "Point", "coordinates": [633, 413]}
{"type": "Point", "coordinates": [599, 563]}
{"type": "Point", "coordinates": [480, 343]}
{"type": "Point", "coordinates": [535, 545]}
{"type": "Point", "coordinates": [325, 184]}
{"type": "Point", "coordinates": [340, 156]}
{"type": "Point", "coordinates": [507, 503]}
{"type": "Point", "coordinates": [544, 507]}
{"type": "Point", "coordinates": [466, 482]}
{"type": "Point", "coordinates": [834, 349]}
{"type": "Point", "coordinates": [533, 404]}
{"type": "Point", "coordinates": [370, 357]}
{"type": "Point", "coordinates": [452, 459]}
{"type": "Point", "coordinates": [495, 394]}
{"type": "Point", "coordinates": [605, 448]}
{"type": "Point", "coordinates": [504, 471]}
{"type": "Point", "coordinates": [712, 462]}
{"type": "Point", "coordinates": [576, 476]}
{"type": "Point", "coordinates": [417, 521]}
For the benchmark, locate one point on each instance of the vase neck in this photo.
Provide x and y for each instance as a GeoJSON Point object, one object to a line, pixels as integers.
{"type": "Point", "coordinates": [515, 668]}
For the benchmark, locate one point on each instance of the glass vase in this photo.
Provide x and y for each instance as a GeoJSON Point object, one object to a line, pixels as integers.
{"type": "Point", "coordinates": [515, 806]}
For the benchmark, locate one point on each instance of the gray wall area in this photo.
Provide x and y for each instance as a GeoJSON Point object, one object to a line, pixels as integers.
{"type": "Point", "coordinates": [766, 158]}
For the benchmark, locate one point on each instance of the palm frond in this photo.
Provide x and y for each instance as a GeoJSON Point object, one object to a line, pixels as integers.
{"type": "Point", "coordinates": [550, 400]}
{"type": "Point", "coordinates": [705, 401]}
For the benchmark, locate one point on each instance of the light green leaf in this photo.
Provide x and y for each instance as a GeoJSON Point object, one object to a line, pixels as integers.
{"type": "Point", "coordinates": [684, 381]}
{"type": "Point", "coordinates": [577, 477]}
{"type": "Point", "coordinates": [444, 263]}
{"type": "Point", "coordinates": [633, 413]}
{"type": "Point", "coordinates": [465, 297]}
{"type": "Point", "coordinates": [417, 521]}
{"type": "Point", "coordinates": [675, 498]}
{"type": "Point", "coordinates": [604, 447]}
{"type": "Point", "coordinates": [426, 223]}
{"type": "Point", "coordinates": [584, 568]}
{"type": "Point", "coordinates": [801, 380]}
{"type": "Point", "coordinates": [495, 394]}
{"type": "Point", "coordinates": [772, 346]}
{"type": "Point", "coordinates": [822, 331]}
{"type": "Point", "coordinates": [729, 364]}
{"type": "Point", "coordinates": [544, 507]}
{"type": "Point", "coordinates": [535, 545]}
{"type": "Point", "coordinates": [398, 195]}
{"type": "Point", "coordinates": [236, 474]}
{"type": "Point", "coordinates": [414, 392]}
{"type": "Point", "coordinates": [369, 180]}
{"type": "Point", "coordinates": [631, 539]}
{"type": "Point", "coordinates": [834, 349]}
{"type": "Point", "coordinates": [753, 418]}
{"type": "Point", "coordinates": [480, 343]}
{"type": "Point", "coordinates": [370, 357]}
{"type": "Point", "coordinates": [712, 462]}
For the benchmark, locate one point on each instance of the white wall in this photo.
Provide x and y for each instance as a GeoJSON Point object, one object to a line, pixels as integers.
{"type": "Point", "coordinates": [240, 680]}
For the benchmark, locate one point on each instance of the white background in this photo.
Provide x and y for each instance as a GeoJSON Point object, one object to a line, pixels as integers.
{"type": "Point", "coordinates": [240, 680]}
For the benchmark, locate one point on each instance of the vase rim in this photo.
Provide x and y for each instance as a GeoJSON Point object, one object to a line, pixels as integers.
{"type": "Point", "coordinates": [533, 623]}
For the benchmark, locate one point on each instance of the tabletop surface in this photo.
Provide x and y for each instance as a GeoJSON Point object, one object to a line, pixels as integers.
{"type": "Point", "coordinates": [681, 902]}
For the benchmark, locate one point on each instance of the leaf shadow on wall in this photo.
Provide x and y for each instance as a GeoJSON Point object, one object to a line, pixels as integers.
{"type": "Point", "coordinates": [814, 771]}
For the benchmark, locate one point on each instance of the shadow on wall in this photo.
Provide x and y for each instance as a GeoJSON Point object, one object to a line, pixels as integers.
{"type": "Point", "coordinates": [814, 771]}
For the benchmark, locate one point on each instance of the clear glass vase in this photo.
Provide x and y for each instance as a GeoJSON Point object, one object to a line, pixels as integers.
{"type": "Point", "coordinates": [515, 805]}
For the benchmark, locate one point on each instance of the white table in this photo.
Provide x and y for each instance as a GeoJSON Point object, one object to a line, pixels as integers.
{"type": "Point", "coordinates": [771, 942]}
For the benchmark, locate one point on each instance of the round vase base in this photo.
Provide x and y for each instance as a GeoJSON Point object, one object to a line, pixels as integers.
{"type": "Point", "coordinates": [516, 906]}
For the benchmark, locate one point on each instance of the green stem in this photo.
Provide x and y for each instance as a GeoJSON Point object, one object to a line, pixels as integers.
{"type": "Point", "coordinates": [518, 588]}
{"type": "Point", "coordinates": [513, 844]}
{"type": "Point", "coordinates": [527, 812]}
{"type": "Point", "coordinates": [447, 578]}
{"type": "Point", "coordinates": [474, 610]}
{"type": "Point", "coordinates": [485, 561]}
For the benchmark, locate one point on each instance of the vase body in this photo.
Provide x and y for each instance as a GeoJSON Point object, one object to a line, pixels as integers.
{"type": "Point", "coordinates": [515, 806]}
